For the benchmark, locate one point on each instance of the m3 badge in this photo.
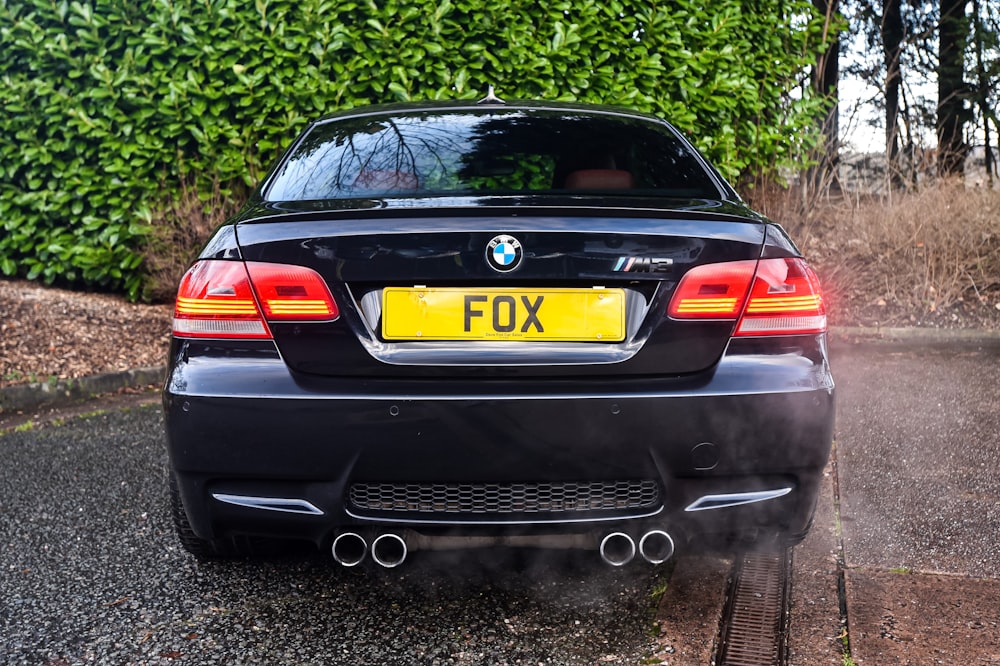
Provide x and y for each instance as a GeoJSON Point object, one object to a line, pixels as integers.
{"type": "Point", "coordinates": [644, 265]}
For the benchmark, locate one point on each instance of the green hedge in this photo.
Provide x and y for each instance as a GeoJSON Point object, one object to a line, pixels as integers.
{"type": "Point", "coordinates": [110, 109]}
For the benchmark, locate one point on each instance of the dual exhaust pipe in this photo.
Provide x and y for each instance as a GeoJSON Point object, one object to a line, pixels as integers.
{"type": "Point", "coordinates": [389, 550]}
{"type": "Point", "coordinates": [618, 548]}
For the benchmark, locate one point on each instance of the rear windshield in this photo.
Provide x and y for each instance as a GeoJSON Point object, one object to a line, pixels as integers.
{"type": "Point", "coordinates": [485, 153]}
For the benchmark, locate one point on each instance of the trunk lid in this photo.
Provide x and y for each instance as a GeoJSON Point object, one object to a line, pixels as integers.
{"type": "Point", "coordinates": [635, 257]}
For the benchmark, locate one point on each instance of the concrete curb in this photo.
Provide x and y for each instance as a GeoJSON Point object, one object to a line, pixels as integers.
{"type": "Point", "coordinates": [915, 334]}
{"type": "Point", "coordinates": [24, 397]}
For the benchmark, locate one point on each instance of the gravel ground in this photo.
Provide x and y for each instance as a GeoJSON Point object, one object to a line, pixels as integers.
{"type": "Point", "coordinates": [91, 573]}
{"type": "Point", "coordinates": [920, 468]}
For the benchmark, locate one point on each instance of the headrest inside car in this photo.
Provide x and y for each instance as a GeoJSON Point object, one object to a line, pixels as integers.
{"type": "Point", "coordinates": [385, 180]}
{"type": "Point", "coordinates": [600, 179]}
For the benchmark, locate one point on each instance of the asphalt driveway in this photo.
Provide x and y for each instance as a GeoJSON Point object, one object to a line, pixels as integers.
{"type": "Point", "coordinates": [902, 564]}
{"type": "Point", "coordinates": [919, 453]}
{"type": "Point", "coordinates": [91, 573]}
{"type": "Point", "coordinates": [918, 471]}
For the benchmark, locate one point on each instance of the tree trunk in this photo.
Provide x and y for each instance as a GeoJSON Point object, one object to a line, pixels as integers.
{"type": "Point", "coordinates": [951, 111]}
{"type": "Point", "coordinates": [891, 30]}
{"type": "Point", "coordinates": [826, 82]}
{"type": "Point", "coordinates": [982, 93]}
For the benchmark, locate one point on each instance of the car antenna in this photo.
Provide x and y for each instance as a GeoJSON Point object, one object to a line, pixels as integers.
{"type": "Point", "coordinates": [491, 98]}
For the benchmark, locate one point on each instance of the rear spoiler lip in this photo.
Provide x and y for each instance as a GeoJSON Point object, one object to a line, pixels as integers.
{"type": "Point", "coordinates": [514, 206]}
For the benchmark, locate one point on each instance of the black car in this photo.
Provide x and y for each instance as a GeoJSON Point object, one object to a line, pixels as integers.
{"type": "Point", "coordinates": [471, 325]}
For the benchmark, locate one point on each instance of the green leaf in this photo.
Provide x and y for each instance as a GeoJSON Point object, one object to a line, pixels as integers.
{"type": "Point", "coordinates": [399, 91]}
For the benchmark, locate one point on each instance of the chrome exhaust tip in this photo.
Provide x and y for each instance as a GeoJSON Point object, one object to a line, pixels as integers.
{"type": "Point", "coordinates": [617, 549]}
{"type": "Point", "coordinates": [349, 549]}
{"type": "Point", "coordinates": [656, 546]}
{"type": "Point", "coordinates": [389, 550]}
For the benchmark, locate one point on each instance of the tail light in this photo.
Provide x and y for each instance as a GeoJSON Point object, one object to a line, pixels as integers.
{"type": "Point", "coordinates": [233, 299]}
{"type": "Point", "coordinates": [785, 300]}
{"type": "Point", "coordinates": [291, 293]}
{"type": "Point", "coordinates": [713, 291]}
{"type": "Point", "coordinates": [769, 297]}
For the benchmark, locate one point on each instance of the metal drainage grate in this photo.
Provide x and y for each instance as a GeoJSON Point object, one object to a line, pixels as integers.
{"type": "Point", "coordinates": [503, 498]}
{"type": "Point", "coordinates": [755, 621]}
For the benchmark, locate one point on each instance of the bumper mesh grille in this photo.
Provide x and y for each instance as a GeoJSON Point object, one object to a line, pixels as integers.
{"type": "Point", "coordinates": [504, 498]}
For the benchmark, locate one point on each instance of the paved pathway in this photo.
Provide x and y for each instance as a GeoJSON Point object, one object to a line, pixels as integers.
{"type": "Point", "coordinates": [905, 541]}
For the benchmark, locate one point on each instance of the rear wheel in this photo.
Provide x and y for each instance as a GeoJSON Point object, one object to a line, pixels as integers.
{"type": "Point", "coordinates": [235, 547]}
{"type": "Point", "coordinates": [203, 549]}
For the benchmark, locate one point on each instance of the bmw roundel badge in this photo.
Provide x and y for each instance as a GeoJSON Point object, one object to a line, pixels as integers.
{"type": "Point", "coordinates": [503, 253]}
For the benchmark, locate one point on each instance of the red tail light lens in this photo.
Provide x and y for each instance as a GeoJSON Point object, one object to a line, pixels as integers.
{"type": "Point", "coordinates": [215, 300]}
{"type": "Point", "coordinates": [292, 293]}
{"type": "Point", "coordinates": [774, 296]}
{"type": "Point", "coordinates": [785, 300]}
{"type": "Point", "coordinates": [219, 299]}
{"type": "Point", "coordinates": [713, 291]}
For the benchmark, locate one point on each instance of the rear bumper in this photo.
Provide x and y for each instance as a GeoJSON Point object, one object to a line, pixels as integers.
{"type": "Point", "coordinates": [740, 449]}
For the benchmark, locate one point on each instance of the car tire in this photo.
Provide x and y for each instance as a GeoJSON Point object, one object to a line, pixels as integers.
{"type": "Point", "coordinates": [203, 549]}
{"type": "Point", "coordinates": [235, 547]}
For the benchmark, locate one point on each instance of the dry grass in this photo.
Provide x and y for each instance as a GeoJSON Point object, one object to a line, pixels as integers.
{"type": "Point", "coordinates": [915, 252]}
{"type": "Point", "coordinates": [179, 233]}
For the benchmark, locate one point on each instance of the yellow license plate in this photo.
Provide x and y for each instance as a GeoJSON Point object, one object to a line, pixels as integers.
{"type": "Point", "coordinates": [552, 315]}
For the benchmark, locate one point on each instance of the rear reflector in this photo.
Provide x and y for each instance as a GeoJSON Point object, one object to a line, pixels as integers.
{"type": "Point", "coordinates": [774, 296]}
{"type": "Point", "coordinates": [219, 299]}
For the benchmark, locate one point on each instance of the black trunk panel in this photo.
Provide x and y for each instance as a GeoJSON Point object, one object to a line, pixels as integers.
{"type": "Point", "coordinates": [359, 256]}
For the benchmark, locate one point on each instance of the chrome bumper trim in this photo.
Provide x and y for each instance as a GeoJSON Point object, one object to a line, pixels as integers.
{"type": "Point", "coordinates": [283, 504]}
{"type": "Point", "coordinates": [735, 499]}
